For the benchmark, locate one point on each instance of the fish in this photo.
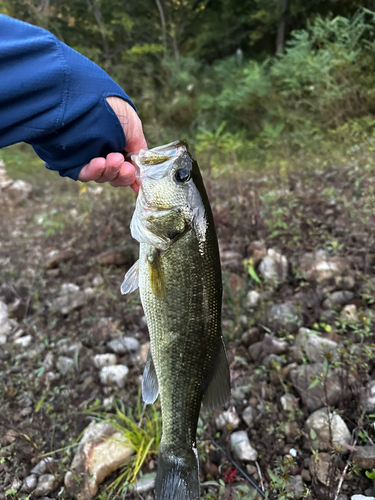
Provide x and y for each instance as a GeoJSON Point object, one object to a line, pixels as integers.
{"type": "Point", "coordinates": [179, 278]}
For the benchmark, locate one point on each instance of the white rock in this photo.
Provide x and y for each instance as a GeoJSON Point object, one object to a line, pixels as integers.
{"type": "Point", "coordinates": [114, 375]}
{"type": "Point", "coordinates": [3, 172]}
{"type": "Point", "coordinates": [5, 324]}
{"type": "Point", "coordinates": [241, 446]}
{"type": "Point", "coordinates": [314, 345]}
{"type": "Point", "coordinates": [252, 298]}
{"type": "Point", "coordinates": [29, 483]}
{"type": "Point", "coordinates": [64, 364]}
{"type": "Point", "coordinates": [361, 497]}
{"type": "Point", "coordinates": [316, 396]}
{"type": "Point", "coordinates": [274, 266]}
{"type": "Point", "coordinates": [71, 350]}
{"type": "Point", "coordinates": [368, 397]}
{"type": "Point", "coordinates": [48, 464]}
{"type": "Point", "coordinates": [49, 361]}
{"type": "Point", "coordinates": [101, 451]}
{"type": "Point", "coordinates": [46, 484]}
{"type": "Point", "coordinates": [349, 313]}
{"type": "Point", "coordinates": [3, 339]}
{"type": "Point", "coordinates": [289, 402]}
{"type": "Point", "coordinates": [324, 423]}
{"type": "Point", "coordinates": [101, 360]}
{"type": "Point", "coordinates": [325, 270]}
{"type": "Point", "coordinates": [52, 376]}
{"type": "Point", "coordinates": [248, 415]}
{"type": "Point", "coordinates": [98, 280]}
{"type": "Point", "coordinates": [286, 316]}
{"type": "Point", "coordinates": [232, 260]}
{"type": "Point", "coordinates": [227, 419]}
{"type": "Point", "coordinates": [71, 298]}
{"type": "Point", "coordinates": [338, 298]}
{"type": "Point", "coordinates": [16, 484]}
{"type": "Point", "coordinates": [67, 288]}
{"type": "Point", "coordinates": [146, 483]}
{"type": "Point", "coordinates": [19, 190]}
{"type": "Point", "coordinates": [124, 345]}
{"type": "Point", "coordinates": [319, 266]}
{"type": "Point", "coordinates": [108, 403]}
{"type": "Point", "coordinates": [345, 282]}
{"type": "Point", "coordinates": [96, 191]}
{"type": "Point", "coordinates": [272, 345]}
{"type": "Point", "coordinates": [295, 486]}
{"type": "Point", "coordinates": [24, 341]}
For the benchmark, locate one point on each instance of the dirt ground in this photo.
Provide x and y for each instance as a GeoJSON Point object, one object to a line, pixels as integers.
{"type": "Point", "coordinates": [44, 409]}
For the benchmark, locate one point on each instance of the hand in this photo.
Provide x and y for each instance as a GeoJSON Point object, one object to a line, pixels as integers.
{"type": "Point", "coordinates": [114, 169]}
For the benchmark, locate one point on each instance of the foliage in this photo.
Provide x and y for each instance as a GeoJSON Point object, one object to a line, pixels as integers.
{"type": "Point", "coordinates": [141, 427]}
{"type": "Point", "coordinates": [193, 66]}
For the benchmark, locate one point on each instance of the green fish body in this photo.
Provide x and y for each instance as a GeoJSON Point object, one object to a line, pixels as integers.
{"type": "Point", "coordinates": [179, 278]}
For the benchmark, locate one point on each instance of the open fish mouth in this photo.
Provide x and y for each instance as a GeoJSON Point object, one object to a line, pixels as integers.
{"type": "Point", "coordinates": [157, 162]}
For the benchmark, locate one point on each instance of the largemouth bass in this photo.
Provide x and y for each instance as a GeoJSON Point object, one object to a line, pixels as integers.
{"type": "Point", "coordinates": [179, 279]}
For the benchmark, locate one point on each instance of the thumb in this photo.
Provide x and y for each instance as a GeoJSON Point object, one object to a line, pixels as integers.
{"type": "Point", "coordinates": [131, 124]}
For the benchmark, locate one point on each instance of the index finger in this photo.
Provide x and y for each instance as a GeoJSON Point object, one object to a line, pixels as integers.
{"type": "Point", "coordinates": [137, 141]}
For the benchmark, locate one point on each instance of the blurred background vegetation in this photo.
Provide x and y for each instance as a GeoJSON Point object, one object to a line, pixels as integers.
{"type": "Point", "coordinates": [249, 83]}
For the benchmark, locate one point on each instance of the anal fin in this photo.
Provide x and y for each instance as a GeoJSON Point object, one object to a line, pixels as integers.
{"type": "Point", "coordinates": [150, 386]}
{"type": "Point", "coordinates": [130, 282]}
{"type": "Point", "coordinates": [218, 389]}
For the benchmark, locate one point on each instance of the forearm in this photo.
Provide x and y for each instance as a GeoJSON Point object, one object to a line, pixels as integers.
{"type": "Point", "coordinates": [55, 99]}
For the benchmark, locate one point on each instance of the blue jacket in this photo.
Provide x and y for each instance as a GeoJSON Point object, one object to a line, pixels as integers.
{"type": "Point", "coordinates": [54, 98]}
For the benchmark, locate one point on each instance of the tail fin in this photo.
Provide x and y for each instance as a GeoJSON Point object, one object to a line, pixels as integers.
{"type": "Point", "coordinates": [178, 474]}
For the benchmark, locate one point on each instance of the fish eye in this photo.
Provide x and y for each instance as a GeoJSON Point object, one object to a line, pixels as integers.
{"type": "Point", "coordinates": [182, 175]}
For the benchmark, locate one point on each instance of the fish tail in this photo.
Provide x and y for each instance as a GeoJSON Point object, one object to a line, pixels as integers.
{"type": "Point", "coordinates": [178, 474]}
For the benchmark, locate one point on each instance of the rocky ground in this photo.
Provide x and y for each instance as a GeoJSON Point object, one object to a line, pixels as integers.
{"type": "Point", "coordinates": [298, 255]}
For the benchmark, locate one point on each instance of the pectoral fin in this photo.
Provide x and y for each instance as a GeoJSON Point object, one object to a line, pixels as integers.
{"type": "Point", "coordinates": [218, 389]}
{"type": "Point", "coordinates": [150, 386]}
{"type": "Point", "coordinates": [130, 282]}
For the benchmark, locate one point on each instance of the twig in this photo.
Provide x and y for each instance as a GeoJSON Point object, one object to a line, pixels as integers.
{"type": "Point", "coordinates": [260, 475]}
{"type": "Point", "coordinates": [345, 470]}
{"type": "Point", "coordinates": [237, 466]}
{"type": "Point", "coordinates": [341, 480]}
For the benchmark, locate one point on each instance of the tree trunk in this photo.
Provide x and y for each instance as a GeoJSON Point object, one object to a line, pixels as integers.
{"type": "Point", "coordinates": [95, 8]}
{"type": "Point", "coordinates": [281, 26]}
{"type": "Point", "coordinates": [163, 27]}
{"type": "Point", "coordinates": [175, 48]}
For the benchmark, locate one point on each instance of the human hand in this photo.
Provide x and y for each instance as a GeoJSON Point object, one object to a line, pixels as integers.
{"type": "Point", "coordinates": [114, 169]}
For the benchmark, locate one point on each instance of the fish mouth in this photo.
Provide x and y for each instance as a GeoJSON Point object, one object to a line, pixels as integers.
{"type": "Point", "coordinates": [155, 163]}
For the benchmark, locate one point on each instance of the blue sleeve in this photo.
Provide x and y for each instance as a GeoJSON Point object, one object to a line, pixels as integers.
{"type": "Point", "coordinates": [54, 98]}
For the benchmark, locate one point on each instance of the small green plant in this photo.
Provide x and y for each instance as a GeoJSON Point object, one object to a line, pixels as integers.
{"type": "Point", "coordinates": [370, 474]}
{"type": "Point", "coordinates": [250, 268]}
{"type": "Point", "coordinates": [11, 491]}
{"type": "Point", "coordinates": [280, 484]}
{"type": "Point", "coordinates": [52, 222]}
{"type": "Point", "coordinates": [141, 427]}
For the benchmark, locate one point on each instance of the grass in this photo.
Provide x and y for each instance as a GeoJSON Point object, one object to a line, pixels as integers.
{"type": "Point", "coordinates": [141, 426]}
{"type": "Point", "coordinates": [22, 163]}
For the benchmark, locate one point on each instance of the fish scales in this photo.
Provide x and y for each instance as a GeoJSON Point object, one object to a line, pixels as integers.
{"type": "Point", "coordinates": [183, 332]}
{"type": "Point", "coordinates": [179, 278]}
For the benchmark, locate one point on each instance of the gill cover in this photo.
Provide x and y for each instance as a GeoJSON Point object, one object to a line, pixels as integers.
{"type": "Point", "coordinates": [167, 188]}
